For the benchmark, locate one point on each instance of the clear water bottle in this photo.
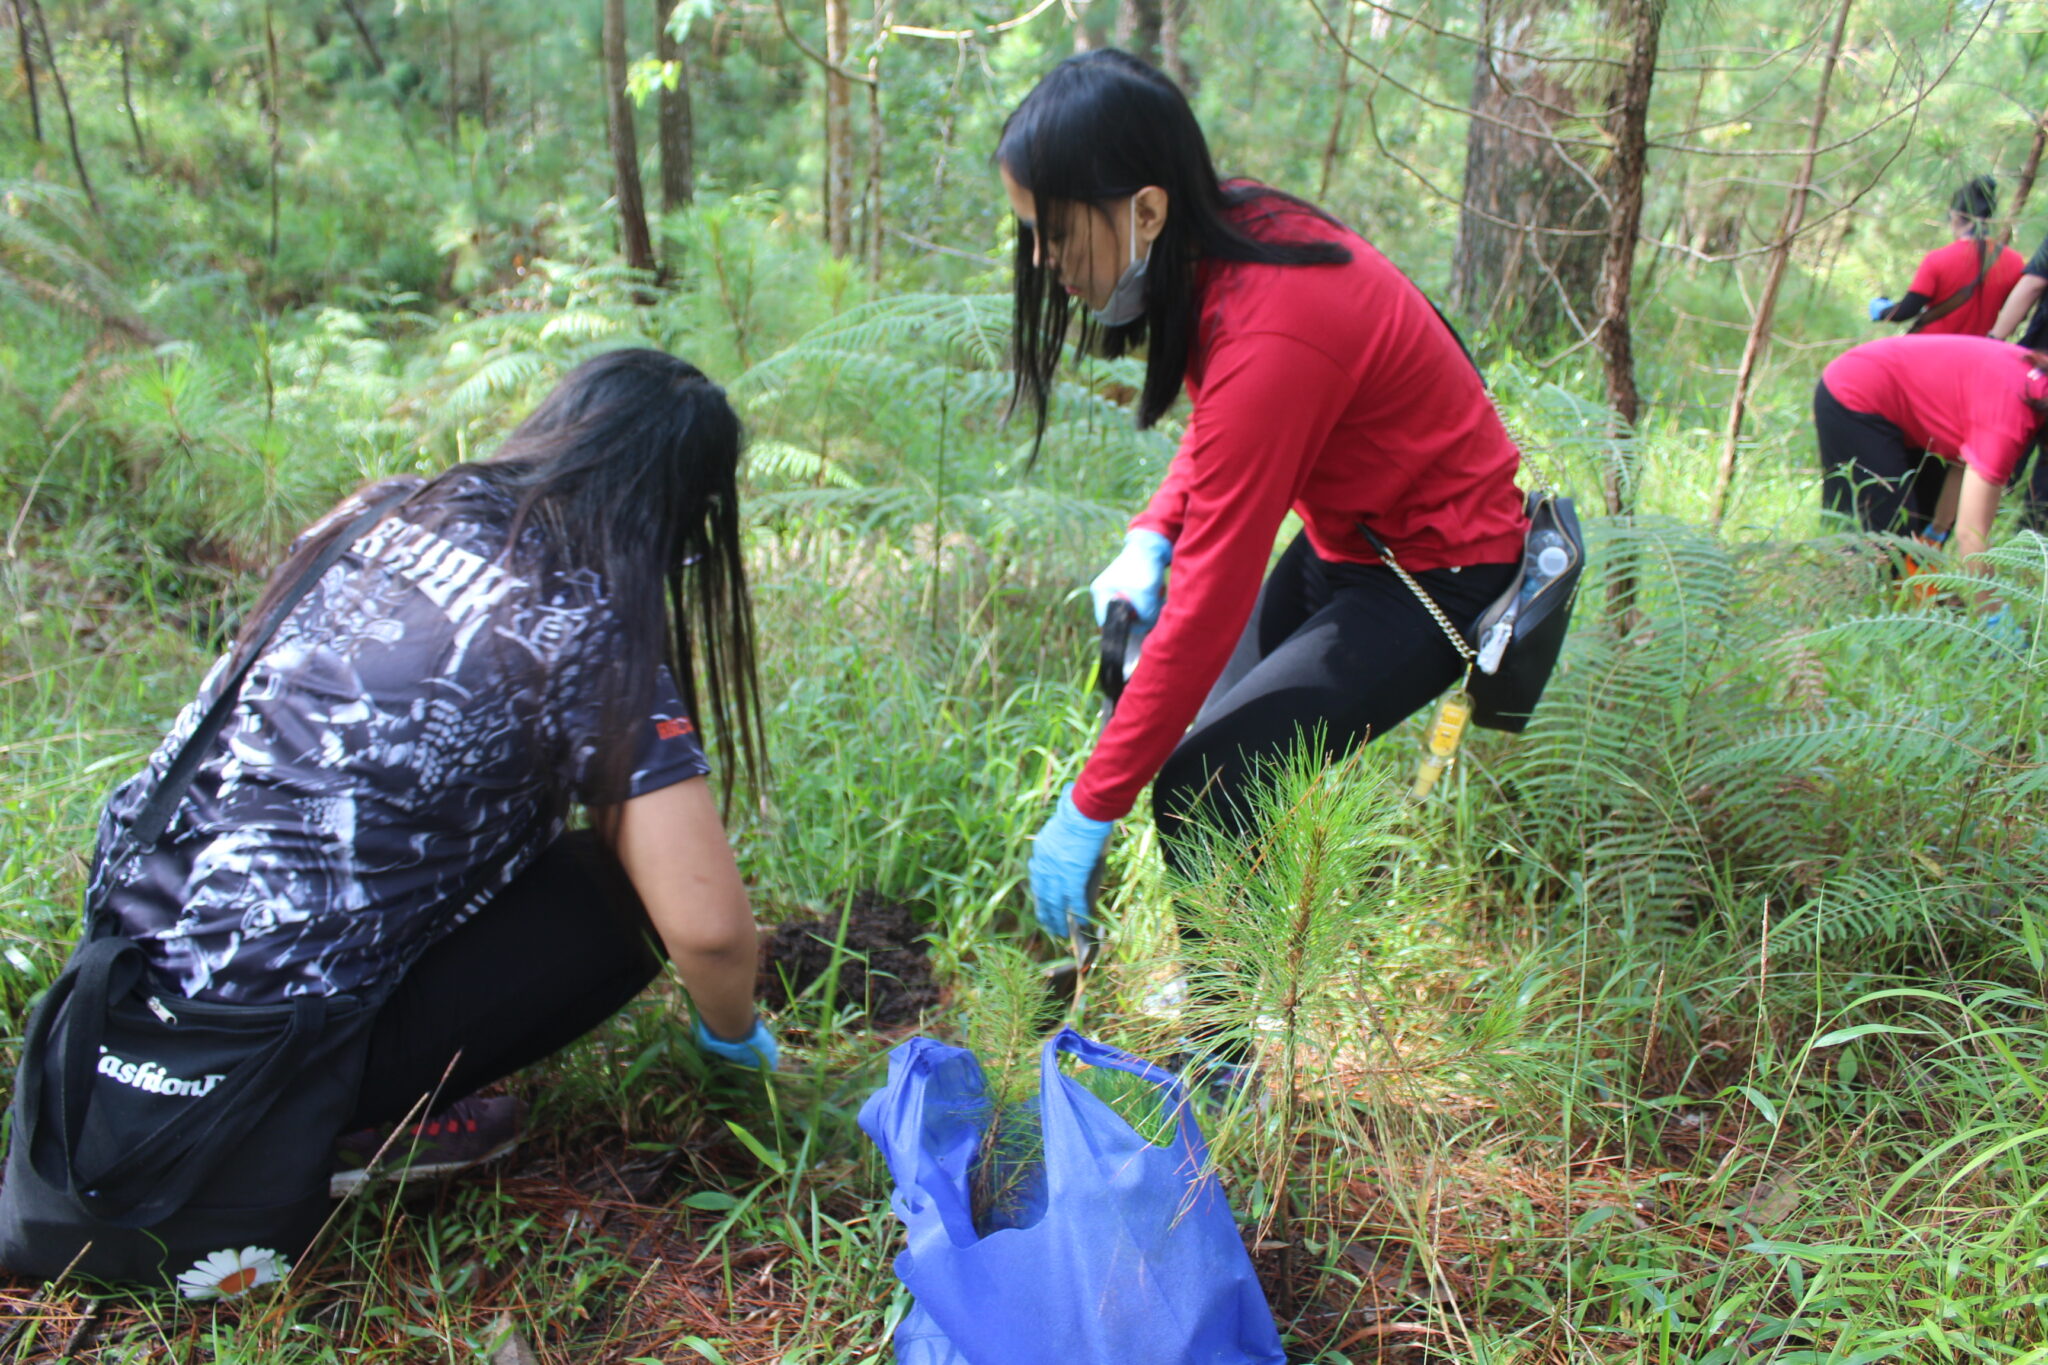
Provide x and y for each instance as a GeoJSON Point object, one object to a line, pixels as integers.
{"type": "Point", "coordinates": [1547, 557]}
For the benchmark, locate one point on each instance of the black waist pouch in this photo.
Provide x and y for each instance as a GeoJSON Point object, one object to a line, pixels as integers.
{"type": "Point", "coordinates": [1533, 623]}
{"type": "Point", "coordinates": [164, 1141]}
{"type": "Point", "coordinates": [173, 1142]}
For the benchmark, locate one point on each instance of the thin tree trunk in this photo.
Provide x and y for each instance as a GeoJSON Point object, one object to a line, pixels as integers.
{"type": "Point", "coordinates": [1781, 256]}
{"type": "Point", "coordinates": [128, 98]}
{"type": "Point", "coordinates": [877, 136]}
{"type": "Point", "coordinates": [1137, 29]}
{"type": "Point", "coordinates": [363, 31]}
{"type": "Point", "coordinates": [838, 132]}
{"type": "Point", "coordinates": [2028, 170]}
{"type": "Point", "coordinates": [1335, 140]}
{"type": "Point", "coordinates": [1629, 129]}
{"type": "Point", "coordinates": [483, 79]}
{"type": "Point", "coordinates": [454, 83]}
{"type": "Point", "coordinates": [678, 173]}
{"type": "Point", "coordinates": [639, 246]}
{"type": "Point", "coordinates": [272, 115]}
{"type": "Point", "coordinates": [1083, 40]}
{"type": "Point", "coordinates": [1172, 16]}
{"type": "Point", "coordinates": [28, 71]}
{"type": "Point", "coordinates": [64, 99]}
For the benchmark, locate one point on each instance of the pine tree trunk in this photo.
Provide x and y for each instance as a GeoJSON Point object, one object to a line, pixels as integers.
{"type": "Point", "coordinates": [355, 16]}
{"type": "Point", "coordinates": [1781, 257]}
{"type": "Point", "coordinates": [1172, 23]}
{"type": "Point", "coordinates": [1334, 142]}
{"type": "Point", "coordinates": [128, 98]}
{"type": "Point", "coordinates": [1137, 29]}
{"type": "Point", "coordinates": [454, 84]}
{"type": "Point", "coordinates": [2024, 186]}
{"type": "Point", "coordinates": [678, 171]}
{"type": "Point", "coordinates": [633, 234]}
{"type": "Point", "coordinates": [273, 117]}
{"type": "Point", "coordinates": [28, 71]}
{"type": "Point", "coordinates": [877, 140]}
{"type": "Point", "coordinates": [1628, 129]}
{"type": "Point", "coordinates": [838, 132]}
{"type": "Point", "coordinates": [1532, 222]}
{"type": "Point", "coordinates": [64, 99]}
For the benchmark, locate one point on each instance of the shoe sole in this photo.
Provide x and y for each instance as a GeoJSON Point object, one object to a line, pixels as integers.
{"type": "Point", "coordinates": [342, 1184]}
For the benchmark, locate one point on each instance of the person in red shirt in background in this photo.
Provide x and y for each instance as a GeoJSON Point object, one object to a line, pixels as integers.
{"type": "Point", "coordinates": [1895, 416]}
{"type": "Point", "coordinates": [1322, 382]}
{"type": "Point", "coordinates": [1960, 288]}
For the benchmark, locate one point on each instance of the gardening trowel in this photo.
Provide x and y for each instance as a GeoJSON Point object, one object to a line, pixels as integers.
{"type": "Point", "coordinates": [1122, 636]}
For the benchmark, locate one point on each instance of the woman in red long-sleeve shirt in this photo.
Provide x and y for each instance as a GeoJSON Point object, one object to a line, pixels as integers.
{"type": "Point", "coordinates": [1322, 382]}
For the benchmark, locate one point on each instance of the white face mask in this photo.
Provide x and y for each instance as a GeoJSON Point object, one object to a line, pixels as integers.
{"type": "Point", "coordinates": [1127, 301]}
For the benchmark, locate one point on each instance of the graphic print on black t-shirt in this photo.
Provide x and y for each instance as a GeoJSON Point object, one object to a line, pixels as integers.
{"type": "Point", "coordinates": [409, 741]}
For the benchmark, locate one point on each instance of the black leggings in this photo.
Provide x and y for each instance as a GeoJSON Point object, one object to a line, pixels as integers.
{"type": "Point", "coordinates": [1870, 472]}
{"type": "Point", "coordinates": [1340, 650]}
{"type": "Point", "coordinates": [549, 958]}
{"type": "Point", "coordinates": [2034, 509]}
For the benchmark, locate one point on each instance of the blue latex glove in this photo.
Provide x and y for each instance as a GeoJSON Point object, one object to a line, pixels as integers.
{"type": "Point", "coordinates": [1137, 574]}
{"type": "Point", "coordinates": [756, 1052]}
{"type": "Point", "coordinates": [1063, 858]}
{"type": "Point", "coordinates": [1878, 308]}
{"type": "Point", "coordinates": [2004, 627]}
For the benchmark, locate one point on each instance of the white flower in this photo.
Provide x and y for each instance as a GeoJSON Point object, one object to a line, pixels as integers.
{"type": "Point", "coordinates": [229, 1273]}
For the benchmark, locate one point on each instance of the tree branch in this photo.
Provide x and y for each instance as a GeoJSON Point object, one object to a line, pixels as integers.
{"type": "Point", "coordinates": [1769, 58]}
{"type": "Point", "coordinates": [820, 58]}
{"type": "Point", "coordinates": [954, 35]}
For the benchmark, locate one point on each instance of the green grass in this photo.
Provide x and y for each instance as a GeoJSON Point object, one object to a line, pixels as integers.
{"type": "Point", "coordinates": [1703, 1023]}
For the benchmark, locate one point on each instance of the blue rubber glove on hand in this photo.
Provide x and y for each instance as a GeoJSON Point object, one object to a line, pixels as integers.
{"type": "Point", "coordinates": [1063, 859]}
{"type": "Point", "coordinates": [1137, 574]}
{"type": "Point", "coordinates": [1878, 308]}
{"type": "Point", "coordinates": [757, 1051]}
{"type": "Point", "coordinates": [2004, 627]}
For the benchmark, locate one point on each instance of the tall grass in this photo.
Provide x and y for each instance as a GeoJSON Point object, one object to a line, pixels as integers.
{"type": "Point", "coordinates": [1702, 1023]}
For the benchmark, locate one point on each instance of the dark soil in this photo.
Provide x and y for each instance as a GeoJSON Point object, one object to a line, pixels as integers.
{"type": "Point", "coordinates": [885, 973]}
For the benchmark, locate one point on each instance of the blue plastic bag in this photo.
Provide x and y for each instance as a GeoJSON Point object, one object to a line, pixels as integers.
{"type": "Point", "coordinates": [1125, 1253]}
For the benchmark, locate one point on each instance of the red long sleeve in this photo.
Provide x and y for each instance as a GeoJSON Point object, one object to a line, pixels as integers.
{"type": "Point", "coordinates": [1228, 511]}
{"type": "Point", "coordinates": [1332, 390]}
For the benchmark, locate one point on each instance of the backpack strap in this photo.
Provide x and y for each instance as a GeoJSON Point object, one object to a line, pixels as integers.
{"type": "Point", "coordinates": [1987, 252]}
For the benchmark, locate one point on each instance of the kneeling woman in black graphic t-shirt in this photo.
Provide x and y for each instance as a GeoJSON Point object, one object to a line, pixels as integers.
{"type": "Point", "coordinates": [388, 801]}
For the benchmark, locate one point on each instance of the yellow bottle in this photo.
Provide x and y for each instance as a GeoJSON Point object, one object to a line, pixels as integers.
{"type": "Point", "coordinates": [1440, 744]}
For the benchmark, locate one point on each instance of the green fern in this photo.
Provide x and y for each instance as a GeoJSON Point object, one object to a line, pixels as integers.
{"type": "Point", "coordinates": [1817, 750]}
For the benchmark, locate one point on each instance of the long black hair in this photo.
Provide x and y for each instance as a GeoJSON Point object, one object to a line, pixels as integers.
{"type": "Point", "coordinates": [630, 468]}
{"type": "Point", "coordinates": [1099, 127]}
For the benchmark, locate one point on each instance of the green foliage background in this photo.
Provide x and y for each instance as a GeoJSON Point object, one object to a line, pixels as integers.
{"type": "Point", "coordinates": [1701, 1023]}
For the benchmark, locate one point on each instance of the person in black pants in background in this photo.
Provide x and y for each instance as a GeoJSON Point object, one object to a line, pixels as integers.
{"type": "Point", "coordinates": [2023, 321]}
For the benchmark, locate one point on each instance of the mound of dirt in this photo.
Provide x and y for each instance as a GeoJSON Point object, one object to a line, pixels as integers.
{"type": "Point", "coordinates": [885, 973]}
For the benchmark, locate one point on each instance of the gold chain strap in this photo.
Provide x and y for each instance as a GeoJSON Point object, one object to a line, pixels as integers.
{"type": "Point", "coordinates": [1465, 651]}
{"type": "Point", "coordinates": [1522, 443]}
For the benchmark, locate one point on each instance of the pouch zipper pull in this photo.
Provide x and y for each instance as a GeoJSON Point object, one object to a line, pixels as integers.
{"type": "Point", "coordinates": [157, 1008]}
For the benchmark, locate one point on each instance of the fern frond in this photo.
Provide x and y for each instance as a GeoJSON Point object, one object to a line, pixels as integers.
{"type": "Point", "coordinates": [778, 460]}
{"type": "Point", "coordinates": [498, 380]}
